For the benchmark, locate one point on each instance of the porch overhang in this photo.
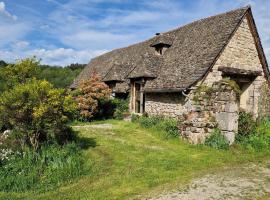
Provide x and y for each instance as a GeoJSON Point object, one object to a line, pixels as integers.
{"type": "Point", "coordinates": [239, 72]}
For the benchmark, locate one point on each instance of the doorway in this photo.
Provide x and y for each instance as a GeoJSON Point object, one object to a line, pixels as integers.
{"type": "Point", "coordinates": [139, 98]}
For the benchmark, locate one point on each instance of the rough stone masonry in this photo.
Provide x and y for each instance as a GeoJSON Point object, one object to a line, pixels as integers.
{"type": "Point", "coordinates": [215, 107]}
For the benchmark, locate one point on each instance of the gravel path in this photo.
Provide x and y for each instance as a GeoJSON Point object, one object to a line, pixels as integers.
{"type": "Point", "coordinates": [248, 182]}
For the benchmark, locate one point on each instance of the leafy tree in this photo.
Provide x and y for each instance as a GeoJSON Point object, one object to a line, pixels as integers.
{"type": "Point", "coordinates": [60, 77]}
{"type": "Point", "coordinates": [3, 63]}
{"type": "Point", "coordinates": [76, 66]}
{"type": "Point", "coordinates": [89, 95]}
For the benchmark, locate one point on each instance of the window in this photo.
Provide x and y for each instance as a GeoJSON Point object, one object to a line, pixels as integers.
{"type": "Point", "coordinates": [159, 50]}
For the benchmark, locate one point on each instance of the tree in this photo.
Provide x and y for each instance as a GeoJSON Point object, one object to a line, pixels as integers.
{"type": "Point", "coordinates": [20, 72]}
{"type": "Point", "coordinates": [90, 93]}
{"type": "Point", "coordinates": [3, 63]}
{"type": "Point", "coordinates": [60, 77]}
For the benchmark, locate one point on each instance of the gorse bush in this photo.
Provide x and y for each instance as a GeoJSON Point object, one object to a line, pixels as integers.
{"type": "Point", "coordinates": [33, 109]}
{"type": "Point", "coordinates": [42, 170]}
{"type": "Point", "coordinates": [36, 112]}
{"type": "Point", "coordinates": [166, 125]}
{"type": "Point", "coordinates": [217, 140]}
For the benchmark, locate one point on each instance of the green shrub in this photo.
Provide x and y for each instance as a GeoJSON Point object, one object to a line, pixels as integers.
{"type": "Point", "coordinates": [166, 125]}
{"type": "Point", "coordinates": [170, 127]}
{"type": "Point", "coordinates": [42, 170]}
{"type": "Point", "coordinates": [112, 108]}
{"type": "Point", "coordinates": [149, 122]}
{"type": "Point", "coordinates": [217, 140]}
{"type": "Point", "coordinates": [135, 118]}
{"type": "Point", "coordinates": [121, 108]}
{"type": "Point", "coordinates": [259, 139]}
{"type": "Point", "coordinates": [257, 143]}
{"type": "Point", "coordinates": [36, 112]}
{"type": "Point", "coordinates": [246, 126]}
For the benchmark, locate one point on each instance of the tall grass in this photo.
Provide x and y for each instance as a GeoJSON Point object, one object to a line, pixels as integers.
{"type": "Point", "coordinates": [253, 135]}
{"type": "Point", "coordinates": [42, 170]}
{"type": "Point", "coordinates": [167, 126]}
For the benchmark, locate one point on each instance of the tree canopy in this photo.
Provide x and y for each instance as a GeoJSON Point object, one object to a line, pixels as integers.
{"type": "Point", "coordinates": [59, 77]}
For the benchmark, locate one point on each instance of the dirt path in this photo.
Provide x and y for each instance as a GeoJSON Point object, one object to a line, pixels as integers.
{"type": "Point", "coordinates": [248, 182]}
{"type": "Point", "coordinates": [98, 126]}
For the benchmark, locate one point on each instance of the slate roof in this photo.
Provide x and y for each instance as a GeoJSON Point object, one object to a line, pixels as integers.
{"type": "Point", "coordinates": [194, 49]}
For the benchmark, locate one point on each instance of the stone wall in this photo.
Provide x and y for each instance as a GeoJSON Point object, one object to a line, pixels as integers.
{"type": "Point", "coordinates": [264, 101]}
{"type": "Point", "coordinates": [215, 107]}
{"type": "Point", "coordinates": [241, 53]}
{"type": "Point", "coordinates": [164, 104]}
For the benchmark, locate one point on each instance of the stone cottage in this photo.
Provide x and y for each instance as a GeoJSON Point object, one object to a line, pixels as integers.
{"type": "Point", "coordinates": [164, 74]}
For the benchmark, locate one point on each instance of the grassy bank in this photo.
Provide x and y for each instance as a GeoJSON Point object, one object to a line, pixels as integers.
{"type": "Point", "coordinates": [127, 161]}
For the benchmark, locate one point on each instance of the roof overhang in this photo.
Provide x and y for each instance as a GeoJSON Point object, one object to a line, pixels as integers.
{"type": "Point", "coordinates": [240, 72]}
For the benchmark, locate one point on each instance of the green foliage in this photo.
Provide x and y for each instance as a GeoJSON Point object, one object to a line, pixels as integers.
{"type": "Point", "coordinates": [3, 63]}
{"type": "Point", "coordinates": [217, 140]}
{"type": "Point", "coordinates": [130, 160]}
{"type": "Point", "coordinates": [112, 108]}
{"type": "Point", "coordinates": [167, 125]}
{"type": "Point", "coordinates": [36, 111]}
{"type": "Point", "coordinates": [33, 109]}
{"type": "Point", "coordinates": [259, 137]}
{"type": "Point", "coordinates": [60, 77]}
{"type": "Point", "coordinates": [246, 125]}
{"type": "Point", "coordinates": [203, 91]}
{"type": "Point", "coordinates": [42, 170]}
{"type": "Point", "coordinates": [121, 107]}
{"type": "Point", "coordinates": [20, 72]}
{"type": "Point", "coordinates": [233, 85]}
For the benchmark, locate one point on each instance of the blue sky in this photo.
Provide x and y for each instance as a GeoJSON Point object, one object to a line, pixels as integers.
{"type": "Point", "coordinates": [61, 32]}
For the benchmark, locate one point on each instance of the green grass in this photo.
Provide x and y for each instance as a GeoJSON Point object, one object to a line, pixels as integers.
{"type": "Point", "coordinates": [129, 161]}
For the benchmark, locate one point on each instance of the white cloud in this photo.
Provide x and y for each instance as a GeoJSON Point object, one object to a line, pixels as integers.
{"type": "Point", "coordinates": [86, 27]}
{"type": "Point", "coordinates": [59, 57]}
{"type": "Point", "coordinates": [10, 32]}
{"type": "Point", "coordinates": [21, 45]}
{"type": "Point", "coordinates": [11, 29]}
{"type": "Point", "coordinates": [4, 12]}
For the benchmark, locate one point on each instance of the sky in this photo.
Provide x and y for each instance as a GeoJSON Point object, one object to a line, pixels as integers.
{"type": "Point", "coordinates": [61, 32]}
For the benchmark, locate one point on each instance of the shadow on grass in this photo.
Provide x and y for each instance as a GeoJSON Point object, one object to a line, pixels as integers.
{"type": "Point", "coordinates": [86, 143]}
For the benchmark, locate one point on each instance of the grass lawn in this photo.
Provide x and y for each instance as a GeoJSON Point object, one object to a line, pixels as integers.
{"type": "Point", "coordinates": [128, 161]}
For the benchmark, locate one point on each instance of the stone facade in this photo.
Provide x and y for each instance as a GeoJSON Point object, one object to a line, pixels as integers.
{"type": "Point", "coordinates": [164, 104]}
{"type": "Point", "coordinates": [220, 109]}
{"type": "Point", "coordinates": [264, 101]}
{"type": "Point", "coordinates": [215, 108]}
{"type": "Point", "coordinates": [241, 53]}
